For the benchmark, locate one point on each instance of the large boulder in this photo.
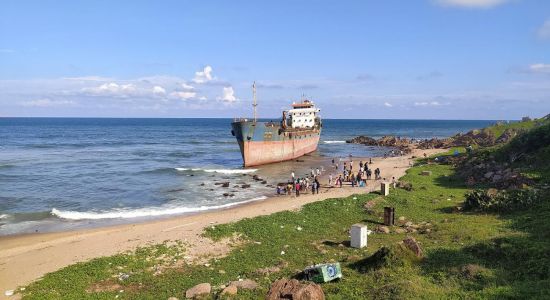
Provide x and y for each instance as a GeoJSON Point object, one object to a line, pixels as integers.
{"type": "Point", "coordinates": [285, 289]}
{"type": "Point", "coordinates": [198, 290]}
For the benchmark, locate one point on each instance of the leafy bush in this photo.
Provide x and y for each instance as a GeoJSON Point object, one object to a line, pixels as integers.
{"type": "Point", "coordinates": [494, 200]}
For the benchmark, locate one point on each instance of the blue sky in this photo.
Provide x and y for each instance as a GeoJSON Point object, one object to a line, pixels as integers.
{"type": "Point", "coordinates": [414, 59]}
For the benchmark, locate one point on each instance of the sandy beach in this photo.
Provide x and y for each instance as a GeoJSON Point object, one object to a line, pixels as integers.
{"type": "Point", "coordinates": [25, 258]}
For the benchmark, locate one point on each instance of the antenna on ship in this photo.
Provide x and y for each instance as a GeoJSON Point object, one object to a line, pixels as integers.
{"type": "Point", "coordinates": [254, 104]}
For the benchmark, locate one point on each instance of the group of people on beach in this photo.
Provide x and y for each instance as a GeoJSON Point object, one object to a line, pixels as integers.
{"type": "Point", "coordinates": [344, 173]}
{"type": "Point", "coordinates": [355, 177]}
{"type": "Point", "coordinates": [310, 182]}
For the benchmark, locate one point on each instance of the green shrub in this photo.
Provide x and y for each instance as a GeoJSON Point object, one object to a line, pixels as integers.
{"type": "Point", "coordinates": [501, 201]}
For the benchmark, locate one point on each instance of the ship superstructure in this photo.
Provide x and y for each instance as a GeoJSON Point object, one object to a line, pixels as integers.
{"type": "Point", "coordinates": [296, 134]}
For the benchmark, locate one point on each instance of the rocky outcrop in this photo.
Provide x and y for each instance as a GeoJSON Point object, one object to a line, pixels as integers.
{"type": "Point", "coordinates": [403, 144]}
{"type": "Point", "coordinates": [488, 171]}
{"type": "Point", "coordinates": [285, 289]}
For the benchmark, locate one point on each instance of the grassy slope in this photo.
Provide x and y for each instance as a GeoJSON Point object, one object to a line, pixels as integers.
{"type": "Point", "coordinates": [498, 129]}
{"type": "Point", "coordinates": [511, 250]}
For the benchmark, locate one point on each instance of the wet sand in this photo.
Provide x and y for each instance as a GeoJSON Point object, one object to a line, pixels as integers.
{"type": "Point", "coordinates": [25, 258]}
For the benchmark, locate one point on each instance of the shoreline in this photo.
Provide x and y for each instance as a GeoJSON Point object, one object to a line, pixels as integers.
{"type": "Point", "coordinates": [27, 257]}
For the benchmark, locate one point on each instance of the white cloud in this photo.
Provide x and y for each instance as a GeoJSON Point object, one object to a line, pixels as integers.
{"type": "Point", "coordinates": [540, 68]}
{"type": "Point", "coordinates": [387, 104]}
{"type": "Point", "coordinates": [471, 3]}
{"type": "Point", "coordinates": [159, 90]}
{"type": "Point", "coordinates": [112, 89]}
{"type": "Point", "coordinates": [184, 95]}
{"type": "Point", "coordinates": [45, 102]}
{"type": "Point", "coordinates": [203, 76]}
{"type": "Point", "coordinates": [544, 30]}
{"type": "Point", "coordinates": [186, 86]}
{"type": "Point", "coordinates": [432, 103]}
{"type": "Point", "coordinates": [228, 95]}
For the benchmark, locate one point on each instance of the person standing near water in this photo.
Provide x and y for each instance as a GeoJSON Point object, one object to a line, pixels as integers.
{"type": "Point", "coordinates": [318, 184]}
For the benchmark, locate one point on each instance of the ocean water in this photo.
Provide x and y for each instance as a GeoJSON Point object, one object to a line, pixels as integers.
{"type": "Point", "coordinates": [68, 173]}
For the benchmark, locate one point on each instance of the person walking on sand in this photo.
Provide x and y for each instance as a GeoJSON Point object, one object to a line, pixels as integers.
{"type": "Point", "coordinates": [370, 161]}
{"type": "Point", "coordinates": [293, 177]}
{"type": "Point", "coordinates": [289, 188]}
{"type": "Point", "coordinates": [317, 184]}
{"type": "Point", "coordinates": [297, 188]}
{"type": "Point", "coordinates": [314, 187]}
{"type": "Point", "coordinates": [318, 172]}
{"type": "Point", "coordinates": [330, 179]}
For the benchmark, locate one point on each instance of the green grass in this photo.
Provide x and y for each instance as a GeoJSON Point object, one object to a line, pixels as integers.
{"type": "Point", "coordinates": [498, 129]}
{"type": "Point", "coordinates": [510, 251]}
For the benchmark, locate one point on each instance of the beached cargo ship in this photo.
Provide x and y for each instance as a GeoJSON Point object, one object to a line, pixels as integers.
{"type": "Point", "coordinates": [296, 134]}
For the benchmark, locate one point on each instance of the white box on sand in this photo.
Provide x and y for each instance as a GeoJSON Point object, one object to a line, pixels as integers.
{"type": "Point", "coordinates": [359, 235]}
{"type": "Point", "coordinates": [385, 188]}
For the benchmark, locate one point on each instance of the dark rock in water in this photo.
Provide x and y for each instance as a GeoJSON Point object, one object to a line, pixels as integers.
{"type": "Point", "coordinates": [403, 144]}
{"type": "Point", "coordinates": [299, 160]}
{"type": "Point", "coordinates": [225, 184]}
{"type": "Point", "coordinates": [364, 140]}
{"type": "Point", "coordinates": [176, 190]}
{"type": "Point", "coordinates": [245, 186]}
{"type": "Point", "coordinates": [264, 182]}
{"type": "Point", "coordinates": [294, 289]}
{"type": "Point", "coordinates": [228, 195]}
{"type": "Point", "coordinates": [202, 184]}
{"type": "Point", "coordinates": [257, 178]}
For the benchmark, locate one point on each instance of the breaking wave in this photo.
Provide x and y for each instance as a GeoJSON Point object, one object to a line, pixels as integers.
{"type": "Point", "coordinates": [221, 171]}
{"type": "Point", "coordinates": [334, 142]}
{"type": "Point", "coordinates": [4, 216]}
{"type": "Point", "coordinates": [141, 212]}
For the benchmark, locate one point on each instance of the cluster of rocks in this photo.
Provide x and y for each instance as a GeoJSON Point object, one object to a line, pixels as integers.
{"type": "Point", "coordinates": [406, 227]}
{"type": "Point", "coordinates": [483, 137]}
{"type": "Point", "coordinates": [403, 144]}
{"type": "Point", "coordinates": [497, 174]}
{"type": "Point", "coordinates": [282, 289]}
{"type": "Point", "coordinates": [204, 289]}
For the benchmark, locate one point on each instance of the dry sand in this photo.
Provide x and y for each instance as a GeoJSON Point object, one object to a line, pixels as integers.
{"type": "Point", "coordinates": [25, 258]}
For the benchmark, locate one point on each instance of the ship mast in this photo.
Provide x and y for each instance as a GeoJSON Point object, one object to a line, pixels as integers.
{"type": "Point", "coordinates": [254, 104]}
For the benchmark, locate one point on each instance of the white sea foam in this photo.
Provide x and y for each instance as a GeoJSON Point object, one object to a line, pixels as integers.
{"type": "Point", "coordinates": [221, 171]}
{"type": "Point", "coordinates": [334, 142]}
{"type": "Point", "coordinates": [4, 216]}
{"type": "Point", "coordinates": [141, 212]}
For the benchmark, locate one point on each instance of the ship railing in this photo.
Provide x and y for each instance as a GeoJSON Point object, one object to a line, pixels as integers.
{"type": "Point", "coordinates": [240, 119]}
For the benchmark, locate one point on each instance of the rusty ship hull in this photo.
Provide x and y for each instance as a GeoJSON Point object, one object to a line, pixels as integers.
{"type": "Point", "coordinates": [267, 142]}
